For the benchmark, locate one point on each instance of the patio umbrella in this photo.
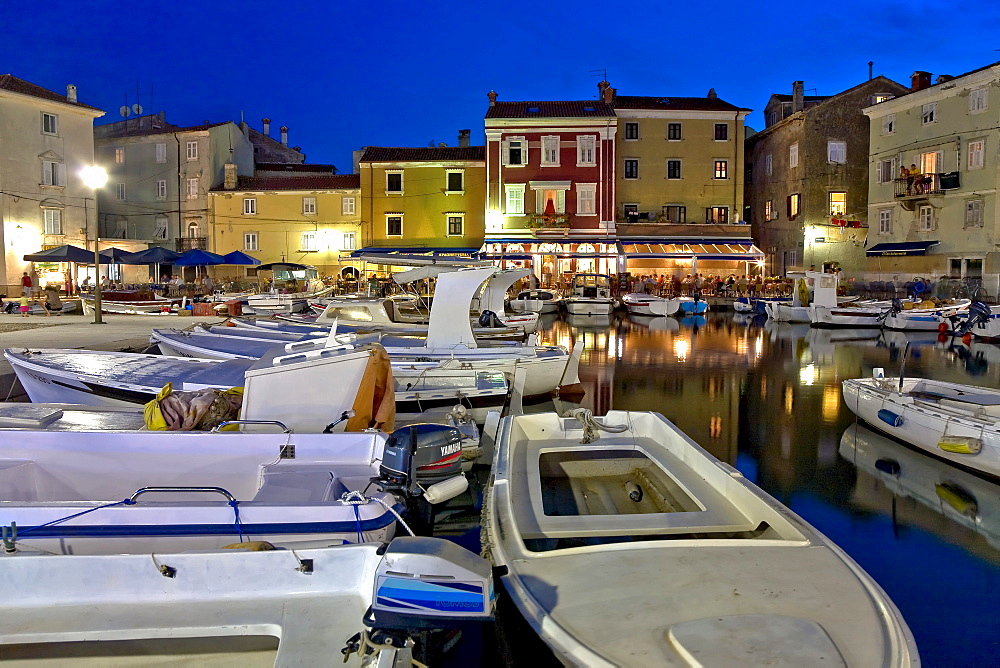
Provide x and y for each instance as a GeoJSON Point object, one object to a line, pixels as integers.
{"type": "Point", "coordinates": [116, 256]}
{"type": "Point", "coordinates": [239, 257]}
{"type": "Point", "coordinates": [198, 258]}
{"type": "Point", "coordinates": [65, 253]}
{"type": "Point", "coordinates": [155, 255]}
{"type": "Point", "coordinates": [271, 266]}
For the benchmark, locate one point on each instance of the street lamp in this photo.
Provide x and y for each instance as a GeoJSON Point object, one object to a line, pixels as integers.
{"type": "Point", "coordinates": [95, 177]}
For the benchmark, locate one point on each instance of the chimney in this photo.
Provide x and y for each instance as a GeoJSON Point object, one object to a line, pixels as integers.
{"type": "Point", "coordinates": [712, 95]}
{"type": "Point", "coordinates": [71, 93]}
{"type": "Point", "coordinates": [493, 98]}
{"type": "Point", "coordinates": [601, 85]}
{"type": "Point", "coordinates": [229, 177]}
{"type": "Point", "coordinates": [284, 135]}
{"type": "Point", "coordinates": [943, 78]}
{"type": "Point", "coordinates": [608, 94]}
{"type": "Point", "coordinates": [798, 98]}
{"type": "Point", "coordinates": [463, 138]}
{"type": "Point", "coordinates": [919, 80]}
{"type": "Point", "coordinates": [267, 127]}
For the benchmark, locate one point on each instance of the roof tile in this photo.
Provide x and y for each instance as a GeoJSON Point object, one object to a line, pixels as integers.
{"type": "Point", "coordinates": [427, 154]}
{"type": "Point", "coordinates": [674, 103]}
{"type": "Point", "coordinates": [555, 109]}
{"type": "Point", "coordinates": [15, 85]}
{"type": "Point", "coordinates": [324, 182]}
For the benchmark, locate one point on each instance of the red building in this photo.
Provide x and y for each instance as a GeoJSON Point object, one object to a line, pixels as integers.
{"type": "Point", "coordinates": [550, 185]}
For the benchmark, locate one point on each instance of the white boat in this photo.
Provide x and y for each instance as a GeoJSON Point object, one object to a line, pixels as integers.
{"type": "Point", "coordinates": [159, 306]}
{"type": "Point", "coordinates": [290, 605]}
{"type": "Point", "coordinates": [590, 294]}
{"type": "Point", "coordinates": [538, 301]}
{"type": "Point", "coordinates": [639, 303]}
{"type": "Point", "coordinates": [980, 321]}
{"type": "Point", "coordinates": [925, 316]}
{"type": "Point", "coordinates": [964, 498]}
{"type": "Point", "coordinates": [827, 311]}
{"type": "Point", "coordinates": [490, 304]}
{"type": "Point", "coordinates": [959, 423]}
{"type": "Point", "coordinates": [273, 302]}
{"type": "Point", "coordinates": [641, 548]}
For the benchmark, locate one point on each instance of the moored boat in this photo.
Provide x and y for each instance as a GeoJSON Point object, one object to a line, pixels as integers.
{"type": "Point", "coordinates": [537, 300]}
{"type": "Point", "coordinates": [639, 303]}
{"type": "Point", "coordinates": [590, 294]}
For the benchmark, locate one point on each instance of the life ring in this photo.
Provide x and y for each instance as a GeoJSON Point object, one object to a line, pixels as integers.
{"type": "Point", "coordinates": [919, 287]}
{"type": "Point", "coordinates": [803, 292]}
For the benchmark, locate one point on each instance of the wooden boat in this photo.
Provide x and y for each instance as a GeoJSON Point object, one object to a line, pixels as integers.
{"type": "Point", "coordinates": [638, 303]}
{"type": "Point", "coordinates": [640, 548]}
{"type": "Point", "coordinates": [959, 423]}
{"type": "Point", "coordinates": [158, 306]}
{"type": "Point", "coordinates": [590, 294]}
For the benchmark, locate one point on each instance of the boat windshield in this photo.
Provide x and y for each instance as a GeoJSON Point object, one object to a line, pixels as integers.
{"type": "Point", "coordinates": [591, 281]}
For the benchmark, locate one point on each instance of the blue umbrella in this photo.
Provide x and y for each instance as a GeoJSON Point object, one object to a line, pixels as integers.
{"type": "Point", "coordinates": [198, 258]}
{"type": "Point", "coordinates": [155, 255]}
{"type": "Point", "coordinates": [64, 253]}
{"type": "Point", "coordinates": [116, 256]}
{"type": "Point", "coordinates": [239, 257]}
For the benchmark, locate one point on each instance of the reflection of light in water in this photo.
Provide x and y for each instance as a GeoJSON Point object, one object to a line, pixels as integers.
{"type": "Point", "coordinates": [831, 403]}
{"type": "Point", "coordinates": [758, 348]}
{"type": "Point", "coordinates": [619, 346]}
{"type": "Point", "coordinates": [763, 387]}
{"type": "Point", "coordinates": [681, 348]}
{"type": "Point", "coordinates": [807, 375]}
{"type": "Point", "coordinates": [741, 345]}
{"type": "Point", "coordinates": [715, 426]}
{"type": "Point", "coordinates": [789, 399]}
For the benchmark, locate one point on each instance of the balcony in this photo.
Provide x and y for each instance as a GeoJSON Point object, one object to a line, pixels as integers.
{"type": "Point", "coordinates": [189, 243]}
{"type": "Point", "coordinates": [653, 227]}
{"type": "Point", "coordinates": [919, 187]}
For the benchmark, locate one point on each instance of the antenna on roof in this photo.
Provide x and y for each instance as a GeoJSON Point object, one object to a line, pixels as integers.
{"type": "Point", "coordinates": [603, 73]}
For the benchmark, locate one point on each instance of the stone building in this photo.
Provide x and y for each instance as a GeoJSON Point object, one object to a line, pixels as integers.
{"type": "Point", "coordinates": [808, 185]}
{"type": "Point", "coordinates": [46, 139]}
{"type": "Point", "coordinates": [266, 149]}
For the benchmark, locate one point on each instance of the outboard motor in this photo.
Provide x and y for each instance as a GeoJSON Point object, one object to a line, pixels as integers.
{"type": "Point", "coordinates": [489, 319]}
{"type": "Point", "coordinates": [979, 315]}
{"type": "Point", "coordinates": [425, 589]}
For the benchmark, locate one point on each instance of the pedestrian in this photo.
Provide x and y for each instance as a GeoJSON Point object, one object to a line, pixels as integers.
{"type": "Point", "coordinates": [26, 286]}
{"type": "Point", "coordinates": [24, 306]}
{"type": "Point", "coordinates": [52, 303]}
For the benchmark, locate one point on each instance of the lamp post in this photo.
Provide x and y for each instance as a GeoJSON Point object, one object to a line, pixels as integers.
{"type": "Point", "coordinates": [95, 177]}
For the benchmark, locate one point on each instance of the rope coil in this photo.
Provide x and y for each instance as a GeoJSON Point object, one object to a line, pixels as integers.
{"type": "Point", "coordinates": [356, 498]}
{"type": "Point", "coordinates": [591, 426]}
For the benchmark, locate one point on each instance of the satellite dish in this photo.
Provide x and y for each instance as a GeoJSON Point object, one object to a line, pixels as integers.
{"type": "Point", "coordinates": [124, 111]}
{"type": "Point", "coordinates": [136, 108]}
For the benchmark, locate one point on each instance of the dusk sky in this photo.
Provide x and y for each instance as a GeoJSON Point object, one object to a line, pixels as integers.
{"type": "Point", "coordinates": [342, 75]}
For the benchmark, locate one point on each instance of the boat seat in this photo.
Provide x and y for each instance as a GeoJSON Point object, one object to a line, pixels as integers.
{"type": "Point", "coordinates": [299, 484]}
{"type": "Point", "coordinates": [977, 399]}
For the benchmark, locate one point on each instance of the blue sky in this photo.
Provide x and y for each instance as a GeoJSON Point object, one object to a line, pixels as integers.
{"type": "Point", "coordinates": [342, 75]}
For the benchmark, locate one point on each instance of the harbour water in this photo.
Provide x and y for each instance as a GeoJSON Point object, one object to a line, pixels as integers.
{"type": "Point", "coordinates": [766, 397]}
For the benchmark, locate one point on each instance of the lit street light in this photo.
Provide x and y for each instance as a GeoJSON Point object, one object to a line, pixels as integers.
{"type": "Point", "coordinates": [94, 177]}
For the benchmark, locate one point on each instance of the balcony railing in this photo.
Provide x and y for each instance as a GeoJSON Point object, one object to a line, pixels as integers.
{"type": "Point", "coordinates": [919, 186]}
{"type": "Point", "coordinates": [189, 243]}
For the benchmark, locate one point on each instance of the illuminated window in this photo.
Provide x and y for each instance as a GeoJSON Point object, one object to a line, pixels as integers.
{"type": "Point", "coordinates": [794, 203]}
{"type": "Point", "coordinates": [307, 241]}
{"type": "Point", "coordinates": [721, 169]}
{"type": "Point", "coordinates": [768, 210]}
{"type": "Point", "coordinates": [838, 203]}
{"type": "Point", "coordinates": [717, 214]}
{"type": "Point", "coordinates": [675, 213]}
{"type": "Point", "coordinates": [515, 199]}
{"type": "Point", "coordinates": [120, 155]}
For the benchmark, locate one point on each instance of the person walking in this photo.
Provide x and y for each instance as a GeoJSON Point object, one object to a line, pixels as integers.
{"type": "Point", "coordinates": [26, 285]}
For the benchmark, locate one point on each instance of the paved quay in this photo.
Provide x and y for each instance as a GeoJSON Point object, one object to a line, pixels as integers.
{"type": "Point", "coordinates": [119, 332]}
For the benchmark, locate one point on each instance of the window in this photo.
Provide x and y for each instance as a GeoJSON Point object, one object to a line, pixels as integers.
{"type": "Point", "coordinates": [585, 150]}
{"type": "Point", "coordinates": [192, 150]}
{"type": "Point", "coordinates": [675, 213]}
{"type": "Point", "coordinates": [838, 203]}
{"type": "Point", "coordinates": [976, 151]}
{"type": "Point", "coordinates": [309, 206]}
{"type": "Point", "coordinates": [120, 155]}
{"type": "Point", "coordinates": [456, 224]}
{"type": "Point", "coordinates": [50, 124]}
{"type": "Point", "coordinates": [836, 152]}
{"type": "Point", "coordinates": [885, 221]}
{"type": "Point", "coordinates": [394, 225]}
{"type": "Point", "coordinates": [192, 188]}
{"type": "Point", "coordinates": [53, 173]}
{"type": "Point", "coordinates": [249, 206]}
{"type": "Point", "coordinates": [251, 241]}
{"type": "Point", "coordinates": [931, 162]}
{"type": "Point", "coordinates": [53, 221]}
{"type": "Point", "coordinates": [717, 214]}
{"type": "Point", "coordinates": [674, 131]}
{"type": "Point", "coordinates": [794, 205]}
{"type": "Point", "coordinates": [769, 210]}
{"type": "Point", "coordinates": [550, 151]}
{"type": "Point", "coordinates": [673, 169]}
{"type": "Point", "coordinates": [456, 181]}
{"type": "Point", "coordinates": [394, 183]}
{"type": "Point", "coordinates": [161, 153]}
{"type": "Point", "coordinates": [554, 200]}
{"type": "Point", "coordinates": [161, 189]}
{"type": "Point", "coordinates": [586, 199]}
{"type": "Point", "coordinates": [768, 165]}
{"type": "Point", "coordinates": [121, 228]}
{"type": "Point", "coordinates": [793, 155]}
{"type": "Point", "coordinates": [307, 241]}
{"type": "Point", "coordinates": [886, 171]}
{"type": "Point", "coordinates": [925, 219]}
{"type": "Point", "coordinates": [974, 213]}
{"type": "Point", "coordinates": [881, 97]}
{"type": "Point", "coordinates": [722, 132]}
{"type": "Point", "coordinates": [631, 131]}
{"type": "Point", "coordinates": [978, 100]}
{"type": "Point", "coordinates": [791, 258]}
{"type": "Point", "coordinates": [928, 113]}
{"type": "Point", "coordinates": [194, 229]}
{"type": "Point", "coordinates": [514, 151]}
{"type": "Point", "coordinates": [120, 191]}
{"type": "Point", "coordinates": [347, 206]}
{"type": "Point", "coordinates": [350, 241]}
{"type": "Point", "coordinates": [515, 199]}
{"type": "Point", "coordinates": [631, 168]}
{"type": "Point", "coordinates": [889, 124]}
{"type": "Point", "coordinates": [161, 228]}
{"type": "Point", "coordinates": [721, 169]}
{"type": "Point", "coordinates": [631, 212]}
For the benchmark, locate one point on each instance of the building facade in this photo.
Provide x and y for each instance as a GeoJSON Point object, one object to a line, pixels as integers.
{"type": "Point", "coordinates": [941, 220]}
{"type": "Point", "coordinates": [46, 139]}
{"type": "Point", "coordinates": [422, 199]}
{"type": "Point", "coordinates": [312, 219]}
{"type": "Point", "coordinates": [159, 177]}
{"type": "Point", "coordinates": [808, 191]}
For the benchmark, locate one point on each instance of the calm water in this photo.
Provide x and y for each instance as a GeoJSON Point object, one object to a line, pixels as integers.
{"type": "Point", "coordinates": [767, 399]}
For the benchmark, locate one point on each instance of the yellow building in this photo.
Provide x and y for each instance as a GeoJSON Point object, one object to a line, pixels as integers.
{"type": "Point", "coordinates": [309, 219]}
{"type": "Point", "coordinates": [423, 199]}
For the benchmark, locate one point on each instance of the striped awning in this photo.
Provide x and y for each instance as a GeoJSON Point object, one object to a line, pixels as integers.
{"type": "Point", "coordinates": [702, 250]}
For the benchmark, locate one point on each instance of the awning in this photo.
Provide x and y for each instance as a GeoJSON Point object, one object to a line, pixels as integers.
{"type": "Point", "coordinates": [574, 247]}
{"type": "Point", "coordinates": [410, 250]}
{"type": "Point", "coordinates": [742, 250]}
{"type": "Point", "coordinates": [901, 248]}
